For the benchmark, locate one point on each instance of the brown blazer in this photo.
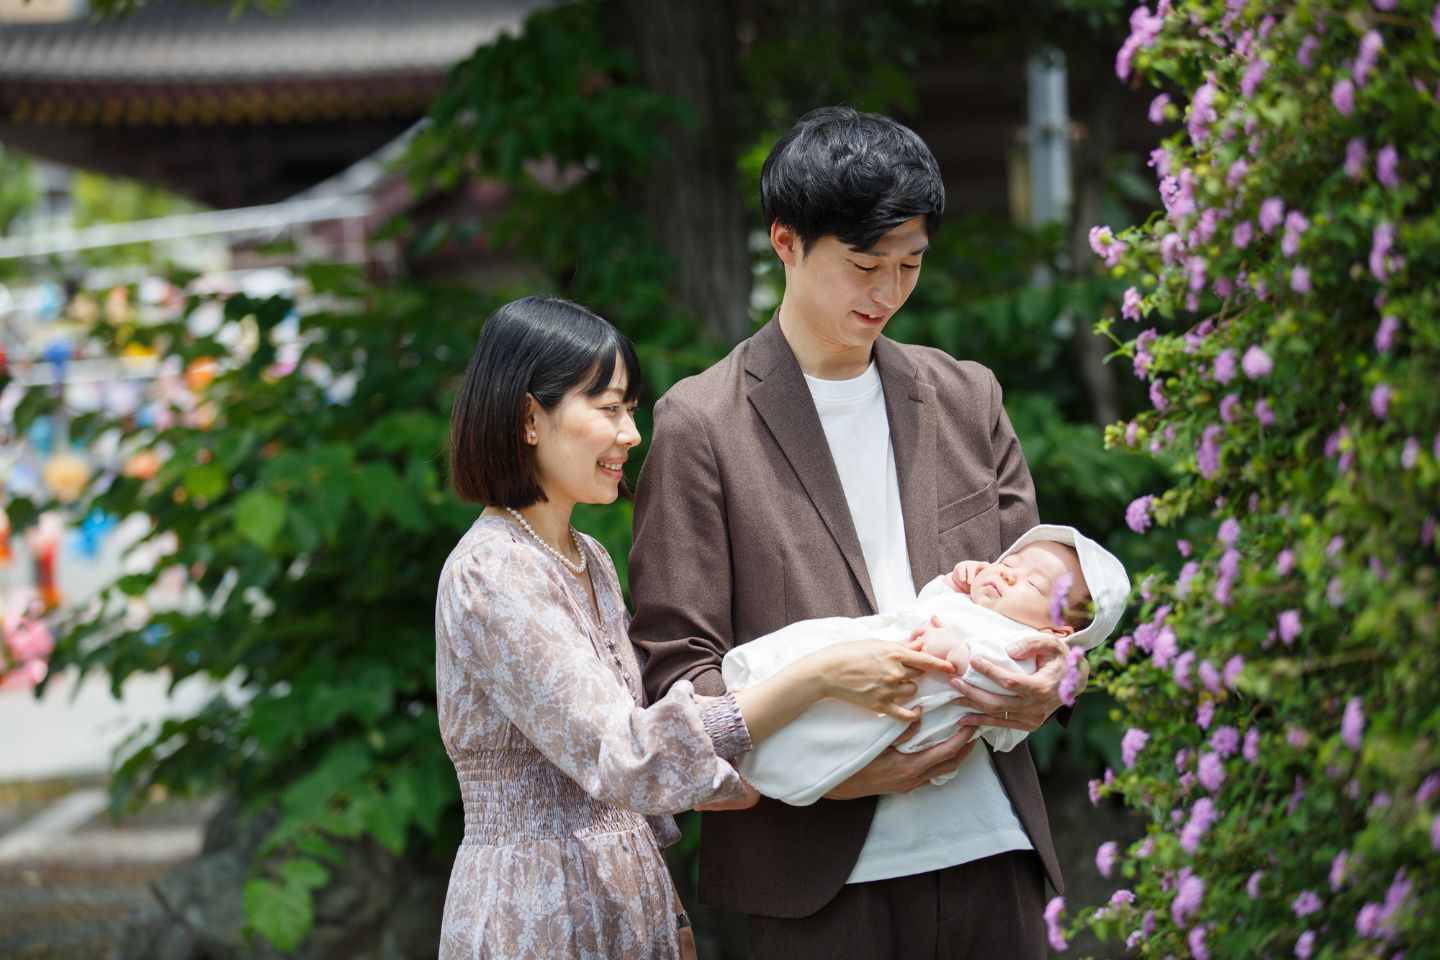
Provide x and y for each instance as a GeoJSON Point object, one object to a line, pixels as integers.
{"type": "Point", "coordinates": [741, 527]}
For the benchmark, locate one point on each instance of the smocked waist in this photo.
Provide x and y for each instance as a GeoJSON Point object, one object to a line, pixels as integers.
{"type": "Point", "coordinates": [512, 796]}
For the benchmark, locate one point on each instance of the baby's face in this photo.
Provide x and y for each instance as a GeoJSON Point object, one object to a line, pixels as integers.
{"type": "Point", "coordinates": [1022, 586]}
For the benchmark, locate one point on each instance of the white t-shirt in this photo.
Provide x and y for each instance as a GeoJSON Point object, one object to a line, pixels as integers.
{"type": "Point", "coordinates": [931, 827]}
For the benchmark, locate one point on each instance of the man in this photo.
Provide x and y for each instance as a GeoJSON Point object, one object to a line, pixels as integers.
{"type": "Point", "coordinates": [824, 470]}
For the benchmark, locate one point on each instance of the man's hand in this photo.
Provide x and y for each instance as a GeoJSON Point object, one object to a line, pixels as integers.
{"type": "Point", "coordinates": [1035, 696]}
{"type": "Point", "coordinates": [896, 772]}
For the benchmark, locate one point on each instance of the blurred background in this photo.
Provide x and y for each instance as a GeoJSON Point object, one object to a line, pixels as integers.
{"type": "Point", "coordinates": [245, 251]}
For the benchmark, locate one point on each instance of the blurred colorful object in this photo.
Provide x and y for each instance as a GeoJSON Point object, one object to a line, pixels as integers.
{"type": "Point", "coordinates": [28, 643]}
{"type": "Point", "coordinates": [65, 476]}
{"type": "Point", "coordinates": [6, 554]}
{"type": "Point", "coordinates": [44, 540]}
{"type": "Point", "coordinates": [142, 465]}
{"type": "Point", "coordinates": [87, 539]}
{"type": "Point", "coordinates": [201, 373]}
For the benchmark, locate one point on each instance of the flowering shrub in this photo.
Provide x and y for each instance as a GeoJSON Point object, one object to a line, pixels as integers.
{"type": "Point", "coordinates": [1282, 727]}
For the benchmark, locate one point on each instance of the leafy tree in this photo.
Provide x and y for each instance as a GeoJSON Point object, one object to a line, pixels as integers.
{"type": "Point", "coordinates": [1282, 728]}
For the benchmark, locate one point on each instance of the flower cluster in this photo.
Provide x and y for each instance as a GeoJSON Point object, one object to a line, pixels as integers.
{"type": "Point", "coordinates": [27, 645]}
{"type": "Point", "coordinates": [1279, 731]}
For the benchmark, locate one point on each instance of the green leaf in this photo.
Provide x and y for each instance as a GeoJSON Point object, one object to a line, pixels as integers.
{"type": "Point", "coordinates": [259, 516]}
{"type": "Point", "coordinates": [282, 916]}
{"type": "Point", "coordinates": [303, 874]}
{"type": "Point", "coordinates": [207, 482]}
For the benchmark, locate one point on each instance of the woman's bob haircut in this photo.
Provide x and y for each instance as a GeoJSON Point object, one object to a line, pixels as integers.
{"type": "Point", "coordinates": [546, 347]}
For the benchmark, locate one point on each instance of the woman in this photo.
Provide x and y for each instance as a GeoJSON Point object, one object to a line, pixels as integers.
{"type": "Point", "coordinates": [540, 702]}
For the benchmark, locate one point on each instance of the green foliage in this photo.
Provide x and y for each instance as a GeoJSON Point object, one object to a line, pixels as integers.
{"type": "Point", "coordinates": [18, 190]}
{"type": "Point", "coordinates": [311, 528]}
{"type": "Point", "coordinates": [1293, 796]}
{"type": "Point", "coordinates": [100, 199]}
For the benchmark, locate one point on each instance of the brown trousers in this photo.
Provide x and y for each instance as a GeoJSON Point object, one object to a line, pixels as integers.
{"type": "Point", "coordinates": [990, 909]}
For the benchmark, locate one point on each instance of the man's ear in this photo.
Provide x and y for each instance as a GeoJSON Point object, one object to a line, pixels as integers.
{"type": "Point", "coordinates": [786, 244]}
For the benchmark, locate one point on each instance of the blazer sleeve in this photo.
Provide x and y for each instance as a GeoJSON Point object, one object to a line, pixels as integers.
{"type": "Point", "coordinates": [680, 559]}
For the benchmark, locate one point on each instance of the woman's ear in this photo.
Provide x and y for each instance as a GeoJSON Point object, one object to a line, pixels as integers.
{"type": "Point", "coordinates": [528, 421]}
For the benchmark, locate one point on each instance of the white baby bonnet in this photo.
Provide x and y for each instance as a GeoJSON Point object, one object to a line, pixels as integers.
{"type": "Point", "coordinates": [1104, 574]}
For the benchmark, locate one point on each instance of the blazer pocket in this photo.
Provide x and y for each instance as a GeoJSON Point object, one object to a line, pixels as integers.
{"type": "Point", "coordinates": [969, 507]}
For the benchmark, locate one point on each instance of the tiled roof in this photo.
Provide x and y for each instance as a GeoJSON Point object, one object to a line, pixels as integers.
{"type": "Point", "coordinates": [174, 41]}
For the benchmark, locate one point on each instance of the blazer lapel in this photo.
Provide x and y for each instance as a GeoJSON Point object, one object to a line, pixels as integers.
{"type": "Point", "coordinates": [912, 409]}
{"type": "Point", "coordinates": [783, 401]}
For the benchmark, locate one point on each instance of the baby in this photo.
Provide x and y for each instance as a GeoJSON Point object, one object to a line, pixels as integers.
{"type": "Point", "coordinates": [1052, 580]}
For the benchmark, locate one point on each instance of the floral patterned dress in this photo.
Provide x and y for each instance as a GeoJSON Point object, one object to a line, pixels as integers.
{"type": "Point", "coordinates": [559, 764]}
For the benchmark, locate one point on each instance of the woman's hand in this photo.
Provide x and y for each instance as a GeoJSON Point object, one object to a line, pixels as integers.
{"type": "Point", "coordinates": [878, 675]}
{"type": "Point", "coordinates": [1034, 696]}
{"type": "Point", "coordinates": [752, 797]}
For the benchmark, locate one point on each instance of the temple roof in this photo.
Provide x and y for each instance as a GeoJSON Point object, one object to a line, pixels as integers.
{"type": "Point", "coordinates": [234, 111]}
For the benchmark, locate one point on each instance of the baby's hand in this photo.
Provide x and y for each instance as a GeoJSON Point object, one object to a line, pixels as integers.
{"type": "Point", "coordinates": [940, 640]}
{"type": "Point", "coordinates": [964, 574]}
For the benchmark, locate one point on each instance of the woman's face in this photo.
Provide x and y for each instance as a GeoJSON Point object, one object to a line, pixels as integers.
{"type": "Point", "coordinates": [583, 442]}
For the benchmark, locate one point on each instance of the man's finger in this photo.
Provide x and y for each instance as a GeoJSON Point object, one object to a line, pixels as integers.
{"type": "Point", "coordinates": [1009, 679]}
{"type": "Point", "coordinates": [950, 764]}
{"type": "Point", "coordinates": [908, 732]}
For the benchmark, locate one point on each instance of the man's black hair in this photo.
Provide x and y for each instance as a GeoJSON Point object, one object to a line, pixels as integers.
{"type": "Point", "coordinates": [854, 176]}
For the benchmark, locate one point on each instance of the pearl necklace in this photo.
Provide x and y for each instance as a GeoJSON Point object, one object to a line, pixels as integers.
{"type": "Point", "coordinates": [575, 568]}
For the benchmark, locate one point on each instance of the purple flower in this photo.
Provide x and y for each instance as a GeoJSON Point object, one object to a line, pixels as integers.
{"type": "Point", "coordinates": [1352, 724]}
{"type": "Point", "coordinates": [1250, 749]}
{"type": "Point", "coordinates": [1122, 649]}
{"type": "Point", "coordinates": [1300, 280]}
{"type": "Point", "coordinates": [1253, 75]}
{"type": "Point", "coordinates": [1205, 229]}
{"type": "Point", "coordinates": [1256, 363]}
{"type": "Point", "coordinates": [1370, 46]}
{"type": "Point", "coordinates": [1105, 244]}
{"type": "Point", "coordinates": [1094, 787]}
{"type": "Point", "coordinates": [1144, 28]}
{"type": "Point", "coordinates": [1435, 823]}
{"type": "Point", "coordinates": [1157, 108]}
{"type": "Point", "coordinates": [1305, 904]}
{"type": "Point", "coordinates": [1304, 945]}
{"type": "Point", "coordinates": [1131, 744]}
{"type": "Point", "coordinates": [1105, 858]}
{"type": "Point", "coordinates": [1335, 593]}
{"type": "Point", "coordinates": [1202, 817]}
{"type": "Point", "coordinates": [1229, 531]}
{"type": "Point", "coordinates": [1305, 54]}
{"type": "Point", "coordinates": [1207, 455]}
{"type": "Point", "coordinates": [1285, 563]}
{"type": "Point", "coordinates": [1355, 156]}
{"type": "Point", "coordinates": [1202, 111]}
{"type": "Point", "coordinates": [1435, 20]}
{"type": "Point", "coordinates": [1137, 515]}
{"type": "Point", "coordinates": [1336, 544]}
{"type": "Point", "coordinates": [1381, 263]}
{"type": "Point", "coordinates": [1289, 626]}
{"type": "Point", "coordinates": [1343, 96]}
{"type": "Point", "coordinates": [1172, 247]}
{"type": "Point", "coordinates": [1121, 898]}
{"type": "Point", "coordinates": [1210, 677]}
{"type": "Point", "coordinates": [1243, 234]}
{"type": "Point", "coordinates": [1252, 886]}
{"type": "Point", "coordinates": [1295, 226]}
{"type": "Point", "coordinates": [1224, 370]}
{"type": "Point", "coordinates": [1385, 333]}
{"type": "Point", "coordinates": [1205, 713]}
{"type": "Point", "coordinates": [1053, 909]}
{"type": "Point", "coordinates": [1183, 546]}
{"type": "Point", "coordinates": [1182, 669]}
{"type": "Point", "coordinates": [1061, 591]}
{"type": "Point", "coordinates": [1211, 772]}
{"type": "Point", "coordinates": [1157, 396]}
{"type": "Point", "coordinates": [1337, 870]}
{"type": "Point", "coordinates": [1427, 531]}
{"type": "Point", "coordinates": [1130, 309]}
{"type": "Point", "coordinates": [1386, 163]}
{"type": "Point", "coordinates": [1182, 580]}
{"type": "Point", "coordinates": [1239, 170]}
{"type": "Point", "coordinates": [1429, 789]}
{"type": "Point", "coordinates": [1070, 682]}
{"type": "Point", "coordinates": [1272, 211]}
{"type": "Point", "coordinates": [1380, 401]}
{"type": "Point", "coordinates": [1225, 741]}
{"type": "Point", "coordinates": [1195, 268]}
{"type": "Point", "coordinates": [1233, 668]}
{"type": "Point", "coordinates": [1263, 413]}
{"type": "Point", "coordinates": [1188, 894]}
{"type": "Point", "coordinates": [1367, 921]}
{"type": "Point", "coordinates": [1196, 942]}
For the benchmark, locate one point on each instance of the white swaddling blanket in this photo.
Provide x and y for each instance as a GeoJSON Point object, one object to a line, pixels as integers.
{"type": "Point", "coordinates": [833, 740]}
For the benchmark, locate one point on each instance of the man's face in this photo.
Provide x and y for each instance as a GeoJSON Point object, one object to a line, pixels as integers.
{"type": "Point", "coordinates": [844, 296]}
